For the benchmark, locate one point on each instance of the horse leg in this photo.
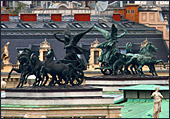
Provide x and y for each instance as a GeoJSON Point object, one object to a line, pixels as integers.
{"type": "Point", "coordinates": [47, 77]}
{"type": "Point", "coordinates": [127, 65]}
{"type": "Point", "coordinates": [65, 74]}
{"type": "Point", "coordinates": [153, 67]}
{"type": "Point", "coordinates": [139, 69]}
{"type": "Point", "coordinates": [161, 62]}
{"type": "Point", "coordinates": [19, 83]}
{"type": "Point", "coordinates": [52, 81]}
{"type": "Point", "coordinates": [26, 77]}
{"type": "Point", "coordinates": [131, 68]}
{"type": "Point", "coordinates": [13, 69]}
{"type": "Point", "coordinates": [35, 82]}
{"type": "Point", "coordinates": [21, 80]}
{"type": "Point", "coordinates": [39, 78]}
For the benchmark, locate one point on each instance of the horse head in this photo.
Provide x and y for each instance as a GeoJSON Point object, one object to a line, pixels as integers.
{"type": "Point", "coordinates": [33, 59]}
{"type": "Point", "coordinates": [50, 54]}
{"type": "Point", "coordinates": [129, 47]}
{"type": "Point", "coordinates": [151, 49]}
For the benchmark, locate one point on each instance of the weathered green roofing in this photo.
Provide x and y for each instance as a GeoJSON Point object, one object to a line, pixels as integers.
{"type": "Point", "coordinates": [144, 87]}
{"type": "Point", "coordinates": [143, 108]}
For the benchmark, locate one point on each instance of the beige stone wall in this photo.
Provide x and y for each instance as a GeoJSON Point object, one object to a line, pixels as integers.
{"type": "Point", "coordinates": [152, 19]}
{"type": "Point", "coordinates": [70, 112]}
{"type": "Point", "coordinates": [92, 66]}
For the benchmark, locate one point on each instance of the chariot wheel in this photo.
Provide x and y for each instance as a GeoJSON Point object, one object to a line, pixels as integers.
{"type": "Point", "coordinates": [106, 71]}
{"type": "Point", "coordinates": [77, 79]}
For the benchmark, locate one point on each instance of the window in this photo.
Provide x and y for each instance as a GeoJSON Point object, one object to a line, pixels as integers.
{"type": "Point", "coordinates": [26, 25]}
{"type": "Point", "coordinates": [48, 4]}
{"type": "Point", "coordinates": [131, 1]}
{"type": "Point", "coordinates": [77, 25]}
{"type": "Point", "coordinates": [96, 56]}
{"type": "Point", "coordinates": [38, 3]}
{"type": "Point", "coordinates": [103, 25]}
{"type": "Point", "coordinates": [44, 55]}
{"type": "Point", "coordinates": [128, 11]}
{"type": "Point", "coordinates": [3, 26]}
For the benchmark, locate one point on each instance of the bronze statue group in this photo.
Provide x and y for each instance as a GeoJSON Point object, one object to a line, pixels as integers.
{"type": "Point", "coordinates": [70, 69]}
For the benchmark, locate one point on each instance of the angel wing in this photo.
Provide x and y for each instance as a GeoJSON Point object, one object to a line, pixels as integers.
{"type": "Point", "coordinates": [105, 33]}
{"type": "Point", "coordinates": [113, 30]}
{"type": "Point", "coordinates": [61, 40]}
{"type": "Point", "coordinates": [77, 37]}
{"type": "Point", "coordinates": [79, 50]}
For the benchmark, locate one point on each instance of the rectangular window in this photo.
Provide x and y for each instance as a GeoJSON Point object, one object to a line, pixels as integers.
{"type": "Point", "coordinates": [96, 56]}
{"type": "Point", "coordinates": [128, 11]}
{"type": "Point", "coordinates": [38, 3]}
{"type": "Point", "coordinates": [44, 55]}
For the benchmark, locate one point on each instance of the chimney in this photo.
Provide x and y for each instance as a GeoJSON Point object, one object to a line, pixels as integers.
{"type": "Point", "coordinates": [116, 16]}
{"type": "Point", "coordinates": [4, 17]}
{"type": "Point", "coordinates": [28, 17]}
{"type": "Point", "coordinates": [82, 17]}
{"type": "Point", "coordinates": [56, 17]}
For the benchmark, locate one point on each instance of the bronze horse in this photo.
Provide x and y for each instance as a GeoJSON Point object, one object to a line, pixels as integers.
{"type": "Point", "coordinates": [24, 67]}
{"type": "Point", "coordinates": [61, 70]}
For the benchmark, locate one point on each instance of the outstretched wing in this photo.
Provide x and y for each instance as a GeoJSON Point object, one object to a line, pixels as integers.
{"type": "Point", "coordinates": [61, 40]}
{"type": "Point", "coordinates": [77, 37]}
{"type": "Point", "coordinates": [79, 50]}
{"type": "Point", "coordinates": [105, 33]}
{"type": "Point", "coordinates": [113, 30]}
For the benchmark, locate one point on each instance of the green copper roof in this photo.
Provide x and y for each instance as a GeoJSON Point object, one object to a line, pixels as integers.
{"type": "Point", "coordinates": [143, 108]}
{"type": "Point", "coordinates": [144, 87]}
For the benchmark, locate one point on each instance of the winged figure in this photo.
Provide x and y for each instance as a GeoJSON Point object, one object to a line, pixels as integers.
{"type": "Point", "coordinates": [109, 46]}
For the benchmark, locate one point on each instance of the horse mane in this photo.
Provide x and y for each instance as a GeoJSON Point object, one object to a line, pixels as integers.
{"type": "Point", "coordinates": [129, 47]}
{"type": "Point", "coordinates": [148, 49]}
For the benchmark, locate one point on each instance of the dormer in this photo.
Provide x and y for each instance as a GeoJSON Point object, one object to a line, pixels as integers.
{"type": "Point", "coordinates": [94, 55]}
{"type": "Point", "coordinates": [44, 47]}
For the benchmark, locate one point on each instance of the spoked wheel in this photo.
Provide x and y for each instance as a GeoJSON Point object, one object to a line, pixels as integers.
{"type": "Point", "coordinates": [106, 71]}
{"type": "Point", "coordinates": [77, 79]}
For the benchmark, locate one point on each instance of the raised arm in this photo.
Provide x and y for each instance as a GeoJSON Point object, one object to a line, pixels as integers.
{"type": "Point", "coordinates": [119, 36]}
{"type": "Point", "coordinates": [61, 40]}
{"type": "Point", "coordinates": [105, 33]}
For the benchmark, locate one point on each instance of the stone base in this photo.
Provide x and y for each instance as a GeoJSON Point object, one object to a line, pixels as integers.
{"type": "Point", "coordinates": [58, 102]}
{"type": "Point", "coordinates": [58, 95]}
{"type": "Point", "coordinates": [87, 111]}
{"type": "Point", "coordinates": [113, 83]}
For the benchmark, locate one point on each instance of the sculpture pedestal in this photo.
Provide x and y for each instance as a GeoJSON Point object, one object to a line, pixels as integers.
{"type": "Point", "coordinates": [57, 95]}
{"type": "Point", "coordinates": [75, 101]}
{"type": "Point", "coordinates": [113, 83]}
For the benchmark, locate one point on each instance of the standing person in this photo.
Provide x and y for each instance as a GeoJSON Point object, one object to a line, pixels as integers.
{"type": "Point", "coordinates": [157, 102]}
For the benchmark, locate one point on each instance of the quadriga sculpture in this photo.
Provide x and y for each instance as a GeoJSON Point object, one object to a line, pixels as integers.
{"type": "Point", "coordinates": [55, 69]}
{"type": "Point", "coordinates": [24, 67]}
{"type": "Point", "coordinates": [72, 50]}
{"type": "Point", "coordinates": [146, 57]}
{"type": "Point", "coordinates": [36, 66]}
{"type": "Point", "coordinates": [108, 56]}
